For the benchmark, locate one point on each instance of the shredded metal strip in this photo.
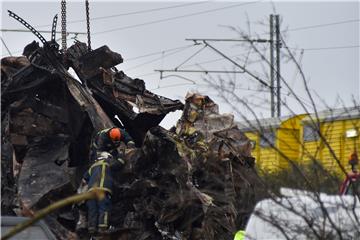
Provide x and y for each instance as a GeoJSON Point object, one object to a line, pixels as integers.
{"type": "Point", "coordinates": [28, 26]}
{"type": "Point", "coordinates": [53, 29]}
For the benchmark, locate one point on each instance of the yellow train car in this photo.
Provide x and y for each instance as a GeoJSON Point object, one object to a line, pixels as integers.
{"type": "Point", "coordinates": [339, 138]}
{"type": "Point", "coordinates": [276, 141]}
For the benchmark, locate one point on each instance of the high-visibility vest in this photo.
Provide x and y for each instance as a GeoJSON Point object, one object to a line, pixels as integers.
{"type": "Point", "coordinates": [240, 235]}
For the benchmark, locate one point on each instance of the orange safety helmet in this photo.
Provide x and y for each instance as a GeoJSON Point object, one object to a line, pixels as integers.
{"type": "Point", "coordinates": [115, 134]}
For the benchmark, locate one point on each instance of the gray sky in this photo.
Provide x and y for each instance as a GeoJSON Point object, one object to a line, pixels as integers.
{"type": "Point", "coordinates": [330, 60]}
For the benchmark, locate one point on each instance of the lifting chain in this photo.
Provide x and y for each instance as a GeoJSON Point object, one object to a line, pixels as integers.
{"type": "Point", "coordinates": [88, 24]}
{"type": "Point", "coordinates": [63, 25]}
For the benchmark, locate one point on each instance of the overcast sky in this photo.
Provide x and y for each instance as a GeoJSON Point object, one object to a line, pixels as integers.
{"type": "Point", "coordinates": [328, 31]}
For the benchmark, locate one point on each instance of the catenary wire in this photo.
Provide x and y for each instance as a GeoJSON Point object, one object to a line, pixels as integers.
{"type": "Point", "coordinates": [159, 58]}
{"type": "Point", "coordinates": [130, 13]}
{"type": "Point", "coordinates": [173, 18]}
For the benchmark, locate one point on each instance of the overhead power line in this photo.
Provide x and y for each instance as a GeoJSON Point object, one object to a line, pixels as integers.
{"type": "Point", "coordinates": [20, 51]}
{"type": "Point", "coordinates": [174, 18]}
{"type": "Point", "coordinates": [227, 40]}
{"type": "Point", "coordinates": [131, 13]}
{"type": "Point", "coordinates": [236, 64]}
{"type": "Point", "coordinates": [157, 53]}
{"type": "Point", "coordinates": [40, 31]}
{"type": "Point", "coordinates": [145, 74]}
{"type": "Point", "coordinates": [189, 58]}
{"type": "Point", "coordinates": [216, 60]}
{"type": "Point", "coordinates": [197, 64]}
{"type": "Point", "coordinates": [204, 85]}
{"type": "Point", "coordinates": [7, 49]}
{"type": "Point", "coordinates": [326, 48]}
{"type": "Point", "coordinates": [196, 71]}
{"type": "Point", "coordinates": [305, 101]}
{"type": "Point", "coordinates": [321, 25]}
{"type": "Point", "coordinates": [159, 58]}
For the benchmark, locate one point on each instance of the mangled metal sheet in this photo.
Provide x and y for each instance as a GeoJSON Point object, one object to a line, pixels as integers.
{"type": "Point", "coordinates": [202, 122]}
{"type": "Point", "coordinates": [8, 183]}
{"type": "Point", "coordinates": [44, 173]}
{"type": "Point", "coordinates": [102, 77]}
{"type": "Point", "coordinates": [117, 93]}
{"type": "Point", "coordinates": [202, 114]}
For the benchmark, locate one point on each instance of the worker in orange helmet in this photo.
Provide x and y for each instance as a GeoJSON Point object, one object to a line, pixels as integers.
{"type": "Point", "coordinates": [108, 140]}
{"type": "Point", "coordinates": [105, 142]}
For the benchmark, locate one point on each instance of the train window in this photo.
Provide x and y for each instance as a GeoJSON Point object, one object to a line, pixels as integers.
{"type": "Point", "coordinates": [310, 133]}
{"type": "Point", "coordinates": [267, 139]}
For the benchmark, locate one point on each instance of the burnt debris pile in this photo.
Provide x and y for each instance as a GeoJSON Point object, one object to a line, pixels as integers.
{"type": "Point", "coordinates": [191, 182]}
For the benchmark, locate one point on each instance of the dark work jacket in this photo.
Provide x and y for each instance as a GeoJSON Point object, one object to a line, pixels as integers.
{"type": "Point", "coordinates": [102, 141]}
{"type": "Point", "coordinates": [99, 176]}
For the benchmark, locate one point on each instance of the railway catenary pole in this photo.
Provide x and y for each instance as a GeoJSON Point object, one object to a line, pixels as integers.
{"type": "Point", "coordinates": [272, 68]}
{"type": "Point", "coordinates": [278, 76]}
{"type": "Point", "coordinates": [275, 77]}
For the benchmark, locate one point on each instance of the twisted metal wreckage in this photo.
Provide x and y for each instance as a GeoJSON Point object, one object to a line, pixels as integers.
{"type": "Point", "coordinates": [191, 182]}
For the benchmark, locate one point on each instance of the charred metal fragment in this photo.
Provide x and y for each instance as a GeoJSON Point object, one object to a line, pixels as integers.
{"type": "Point", "coordinates": [91, 62]}
{"type": "Point", "coordinates": [30, 49]}
{"type": "Point", "coordinates": [41, 180]}
{"type": "Point", "coordinates": [117, 93]}
{"type": "Point", "coordinates": [8, 181]}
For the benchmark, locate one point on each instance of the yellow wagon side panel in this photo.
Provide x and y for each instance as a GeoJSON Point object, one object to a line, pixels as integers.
{"type": "Point", "coordinates": [309, 150]}
{"type": "Point", "coordinates": [265, 157]}
{"type": "Point", "coordinates": [268, 159]}
{"type": "Point", "coordinates": [289, 146]}
{"type": "Point", "coordinates": [333, 132]}
{"type": "Point", "coordinates": [289, 140]}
